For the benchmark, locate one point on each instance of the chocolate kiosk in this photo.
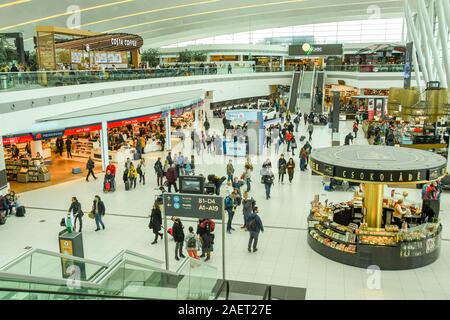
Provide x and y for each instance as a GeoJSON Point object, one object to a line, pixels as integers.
{"type": "Point", "coordinates": [361, 232]}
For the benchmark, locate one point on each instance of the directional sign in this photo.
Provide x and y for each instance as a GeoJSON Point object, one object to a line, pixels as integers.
{"type": "Point", "coordinates": [193, 206]}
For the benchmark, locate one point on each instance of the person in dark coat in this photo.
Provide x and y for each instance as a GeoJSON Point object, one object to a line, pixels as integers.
{"type": "Point", "coordinates": [77, 213]}
{"type": "Point", "coordinates": [178, 236]}
{"type": "Point", "coordinates": [156, 222]}
{"type": "Point", "coordinates": [90, 167]}
{"type": "Point", "coordinates": [69, 147]}
{"type": "Point", "coordinates": [206, 239]}
{"type": "Point", "coordinates": [254, 226]}
{"type": "Point", "coordinates": [98, 209]}
{"type": "Point", "coordinates": [171, 177]}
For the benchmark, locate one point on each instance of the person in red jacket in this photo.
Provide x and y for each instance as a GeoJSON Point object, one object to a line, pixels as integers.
{"type": "Point", "coordinates": [288, 137]}
{"type": "Point", "coordinates": [171, 177]}
{"type": "Point", "coordinates": [112, 168]}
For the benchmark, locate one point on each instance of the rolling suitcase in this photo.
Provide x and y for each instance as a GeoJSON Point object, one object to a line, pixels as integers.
{"type": "Point", "coordinates": [2, 218]}
{"type": "Point", "coordinates": [302, 138]}
{"type": "Point", "coordinates": [137, 156]}
{"type": "Point", "coordinates": [127, 185]}
{"type": "Point", "coordinates": [20, 212]}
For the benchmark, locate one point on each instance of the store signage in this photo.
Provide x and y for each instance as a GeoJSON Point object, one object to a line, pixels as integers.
{"type": "Point", "coordinates": [193, 206]}
{"type": "Point", "coordinates": [72, 131]}
{"type": "Point", "coordinates": [376, 176]}
{"type": "Point", "coordinates": [408, 65]}
{"type": "Point", "coordinates": [308, 49]}
{"type": "Point", "coordinates": [126, 122]}
{"type": "Point", "coordinates": [48, 135]}
{"type": "Point", "coordinates": [124, 42]}
{"type": "Point", "coordinates": [18, 139]}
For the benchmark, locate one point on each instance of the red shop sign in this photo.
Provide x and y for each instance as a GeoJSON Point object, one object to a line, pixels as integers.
{"type": "Point", "coordinates": [72, 131]}
{"type": "Point", "coordinates": [126, 122]}
{"type": "Point", "coordinates": [19, 139]}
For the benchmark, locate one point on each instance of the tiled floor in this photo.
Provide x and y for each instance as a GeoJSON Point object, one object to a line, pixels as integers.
{"type": "Point", "coordinates": [284, 257]}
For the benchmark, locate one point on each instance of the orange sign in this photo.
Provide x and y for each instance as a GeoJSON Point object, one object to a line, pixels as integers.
{"type": "Point", "coordinates": [65, 247]}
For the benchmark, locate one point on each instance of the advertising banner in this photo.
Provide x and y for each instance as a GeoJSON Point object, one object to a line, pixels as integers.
{"type": "Point", "coordinates": [71, 131]}
{"type": "Point", "coordinates": [408, 65]}
{"type": "Point", "coordinates": [309, 49]}
{"type": "Point", "coordinates": [371, 109]}
{"type": "Point", "coordinates": [47, 135]}
{"type": "Point", "coordinates": [17, 139]}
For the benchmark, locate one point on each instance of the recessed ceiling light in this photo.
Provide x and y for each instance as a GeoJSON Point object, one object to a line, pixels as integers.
{"type": "Point", "coordinates": [14, 3]}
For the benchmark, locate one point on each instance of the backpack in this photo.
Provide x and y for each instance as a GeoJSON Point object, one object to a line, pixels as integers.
{"type": "Point", "coordinates": [228, 203]}
{"type": "Point", "coordinates": [139, 169]}
{"type": "Point", "coordinates": [251, 225]}
{"type": "Point", "coordinates": [212, 225]}
{"type": "Point", "coordinates": [192, 243]}
{"type": "Point", "coordinates": [296, 120]}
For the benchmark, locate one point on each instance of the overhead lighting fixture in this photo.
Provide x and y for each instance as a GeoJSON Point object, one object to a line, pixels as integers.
{"type": "Point", "coordinates": [14, 3]}
{"type": "Point", "coordinates": [65, 14]}
{"type": "Point", "coordinates": [150, 11]}
{"type": "Point", "coordinates": [205, 13]}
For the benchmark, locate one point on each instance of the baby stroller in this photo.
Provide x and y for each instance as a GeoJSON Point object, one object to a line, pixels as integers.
{"type": "Point", "coordinates": [108, 185]}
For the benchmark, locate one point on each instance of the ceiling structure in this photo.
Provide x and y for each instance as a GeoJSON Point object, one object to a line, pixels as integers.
{"type": "Point", "coordinates": [162, 23]}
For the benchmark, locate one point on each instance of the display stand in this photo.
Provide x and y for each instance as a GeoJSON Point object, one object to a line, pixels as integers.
{"type": "Point", "coordinates": [360, 232]}
{"type": "Point", "coordinates": [72, 244]}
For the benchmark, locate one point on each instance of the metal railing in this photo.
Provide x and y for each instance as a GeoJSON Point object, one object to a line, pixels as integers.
{"type": "Point", "coordinates": [366, 68]}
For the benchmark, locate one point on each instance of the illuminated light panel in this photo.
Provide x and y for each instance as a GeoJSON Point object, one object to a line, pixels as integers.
{"type": "Point", "coordinates": [14, 3]}
{"type": "Point", "coordinates": [149, 11]}
{"type": "Point", "coordinates": [65, 14]}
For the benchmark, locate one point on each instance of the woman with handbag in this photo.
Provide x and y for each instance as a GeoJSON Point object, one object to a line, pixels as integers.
{"type": "Point", "coordinates": [156, 222]}
{"type": "Point", "coordinates": [98, 210]}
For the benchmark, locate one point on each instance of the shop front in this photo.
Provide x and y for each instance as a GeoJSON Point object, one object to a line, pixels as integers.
{"type": "Point", "coordinates": [372, 228]}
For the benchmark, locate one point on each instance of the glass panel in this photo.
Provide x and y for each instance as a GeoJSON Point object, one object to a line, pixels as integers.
{"type": "Point", "coordinates": [198, 281]}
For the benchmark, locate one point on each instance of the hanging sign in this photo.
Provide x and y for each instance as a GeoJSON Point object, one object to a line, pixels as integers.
{"type": "Point", "coordinates": [48, 135]}
{"type": "Point", "coordinates": [18, 139]}
{"type": "Point", "coordinates": [72, 131]}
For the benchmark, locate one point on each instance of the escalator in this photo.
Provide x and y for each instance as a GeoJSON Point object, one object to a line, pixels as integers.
{"type": "Point", "coordinates": [293, 94]}
{"type": "Point", "coordinates": [319, 86]}
{"type": "Point", "coordinates": [306, 91]}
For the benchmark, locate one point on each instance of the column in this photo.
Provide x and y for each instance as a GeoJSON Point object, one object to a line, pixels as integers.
{"type": "Point", "coordinates": [443, 35]}
{"type": "Point", "coordinates": [168, 131]}
{"type": "Point", "coordinates": [282, 63]}
{"type": "Point", "coordinates": [373, 204]}
{"type": "Point", "coordinates": [3, 181]}
{"type": "Point", "coordinates": [335, 138]}
{"type": "Point", "coordinates": [204, 112]}
{"type": "Point", "coordinates": [196, 126]}
{"type": "Point", "coordinates": [135, 58]}
{"type": "Point", "coordinates": [104, 145]}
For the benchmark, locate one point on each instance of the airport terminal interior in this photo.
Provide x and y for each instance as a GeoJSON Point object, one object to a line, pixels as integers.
{"type": "Point", "coordinates": [224, 150]}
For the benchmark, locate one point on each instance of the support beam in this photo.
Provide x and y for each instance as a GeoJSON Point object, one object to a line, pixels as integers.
{"type": "Point", "coordinates": [3, 181]}
{"type": "Point", "coordinates": [426, 49]}
{"type": "Point", "coordinates": [412, 31]}
{"type": "Point", "coordinates": [104, 145]}
{"type": "Point", "coordinates": [443, 35]}
{"type": "Point", "coordinates": [423, 13]}
{"type": "Point", "coordinates": [446, 5]}
{"type": "Point", "coordinates": [168, 131]}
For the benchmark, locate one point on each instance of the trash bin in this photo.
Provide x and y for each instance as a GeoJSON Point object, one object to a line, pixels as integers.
{"type": "Point", "coordinates": [3, 81]}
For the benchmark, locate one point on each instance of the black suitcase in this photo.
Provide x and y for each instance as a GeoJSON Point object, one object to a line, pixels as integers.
{"type": "Point", "coordinates": [136, 156]}
{"type": "Point", "coordinates": [2, 219]}
{"type": "Point", "coordinates": [20, 212]}
{"type": "Point", "coordinates": [127, 185]}
{"type": "Point", "coordinates": [302, 138]}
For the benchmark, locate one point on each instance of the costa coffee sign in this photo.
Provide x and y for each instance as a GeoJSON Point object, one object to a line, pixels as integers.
{"type": "Point", "coordinates": [124, 42]}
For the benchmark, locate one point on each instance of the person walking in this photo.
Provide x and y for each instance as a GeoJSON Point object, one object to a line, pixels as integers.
{"type": "Point", "coordinates": [69, 147]}
{"type": "Point", "coordinates": [90, 167]}
{"type": "Point", "coordinates": [191, 244]}
{"type": "Point", "coordinates": [76, 213]}
{"type": "Point", "coordinates": [159, 170]}
{"type": "Point", "coordinates": [247, 177]}
{"type": "Point", "coordinates": [303, 159]}
{"type": "Point", "coordinates": [206, 237]}
{"type": "Point", "coordinates": [141, 169]}
{"type": "Point", "coordinates": [178, 237]}
{"type": "Point", "coordinates": [293, 145]}
{"type": "Point", "coordinates": [355, 128]}
{"type": "Point", "coordinates": [297, 120]}
{"type": "Point", "coordinates": [281, 168]}
{"type": "Point", "coordinates": [169, 158]}
{"type": "Point", "coordinates": [171, 177]}
{"type": "Point", "coordinates": [310, 130]}
{"type": "Point", "coordinates": [290, 169]}
{"type": "Point", "coordinates": [60, 145]}
{"type": "Point", "coordinates": [305, 118]}
{"type": "Point", "coordinates": [247, 208]}
{"type": "Point", "coordinates": [232, 201]}
{"type": "Point", "coordinates": [112, 169]}
{"type": "Point", "coordinates": [132, 176]}
{"type": "Point", "coordinates": [98, 209]}
{"type": "Point", "coordinates": [156, 222]}
{"type": "Point", "coordinates": [254, 226]}
{"type": "Point", "coordinates": [230, 69]}
{"type": "Point", "coordinates": [230, 171]}
{"type": "Point", "coordinates": [267, 179]}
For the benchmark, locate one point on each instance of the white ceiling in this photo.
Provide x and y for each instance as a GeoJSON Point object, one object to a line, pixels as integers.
{"type": "Point", "coordinates": [166, 22]}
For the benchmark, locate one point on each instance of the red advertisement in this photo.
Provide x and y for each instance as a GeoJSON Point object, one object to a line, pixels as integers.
{"type": "Point", "coordinates": [71, 131]}
{"type": "Point", "coordinates": [126, 122]}
{"type": "Point", "coordinates": [19, 139]}
{"type": "Point", "coordinates": [371, 109]}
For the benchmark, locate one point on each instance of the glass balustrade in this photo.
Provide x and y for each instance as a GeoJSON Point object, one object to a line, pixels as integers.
{"type": "Point", "coordinates": [367, 68]}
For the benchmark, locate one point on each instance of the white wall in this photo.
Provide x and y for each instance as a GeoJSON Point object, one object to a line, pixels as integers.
{"type": "Point", "coordinates": [372, 80]}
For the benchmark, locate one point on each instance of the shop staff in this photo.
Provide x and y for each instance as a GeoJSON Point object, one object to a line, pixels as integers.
{"type": "Point", "coordinates": [398, 213]}
{"type": "Point", "coordinates": [90, 167]}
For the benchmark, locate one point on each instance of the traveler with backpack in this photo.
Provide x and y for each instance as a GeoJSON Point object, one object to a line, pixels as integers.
{"type": "Point", "coordinates": [205, 228]}
{"type": "Point", "coordinates": [132, 176]}
{"type": "Point", "coordinates": [98, 209]}
{"type": "Point", "coordinates": [156, 222]}
{"type": "Point", "coordinates": [267, 179]}
{"type": "Point", "coordinates": [76, 213]}
{"type": "Point", "coordinates": [159, 172]}
{"type": "Point", "coordinates": [232, 201]}
{"type": "Point", "coordinates": [125, 179]}
{"type": "Point", "coordinates": [191, 244]}
{"type": "Point", "coordinates": [141, 169]}
{"type": "Point", "coordinates": [254, 227]}
{"type": "Point", "coordinates": [178, 236]}
{"type": "Point", "coordinates": [172, 177]}
{"type": "Point", "coordinates": [297, 121]}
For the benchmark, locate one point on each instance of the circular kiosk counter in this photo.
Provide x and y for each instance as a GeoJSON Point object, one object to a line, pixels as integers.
{"type": "Point", "coordinates": [360, 232]}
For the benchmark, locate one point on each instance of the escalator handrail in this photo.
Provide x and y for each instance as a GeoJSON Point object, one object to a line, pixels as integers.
{"type": "Point", "coordinates": [189, 259]}
{"type": "Point", "coordinates": [63, 293]}
{"type": "Point", "coordinates": [268, 293]}
{"type": "Point", "coordinates": [17, 259]}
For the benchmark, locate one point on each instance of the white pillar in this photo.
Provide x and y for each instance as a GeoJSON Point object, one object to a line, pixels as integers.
{"type": "Point", "coordinates": [196, 126]}
{"type": "Point", "coordinates": [446, 5]}
{"type": "Point", "coordinates": [426, 49]}
{"type": "Point", "coordinates": [443, 35]}
{"type": "Point", "coordinates": [104, 145]}
{"type": "Point", "coordinates": [429, 31]}
{"type": "Point", "coordinates": [414, 35]}
{"type": "Point", "coordinates": [416, 70]}
{"type": "Point", "coordinates": [3, 181]}
{"type": "Point", "coordinates": [204, 111]}
{"type": "Point", "coordinates": [282, 63]}
{"type": "Point", "coordinates": [36, 146]}
{"type": "Point", "coordinates": [168, 131]}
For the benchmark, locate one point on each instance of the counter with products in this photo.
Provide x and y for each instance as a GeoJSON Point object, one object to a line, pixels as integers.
{"type": "Point", "coordinates": [27, 170]}
{"type": "Point", "coordinates": [356, 244]}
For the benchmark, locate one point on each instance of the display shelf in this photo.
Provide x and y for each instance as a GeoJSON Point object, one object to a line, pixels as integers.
{"type": "Point", "coordinates": [351, 249]}
{"type": "Point", "coordinates": [330, 226]}
{"type": "Point", "coordinates": [323, 233]}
